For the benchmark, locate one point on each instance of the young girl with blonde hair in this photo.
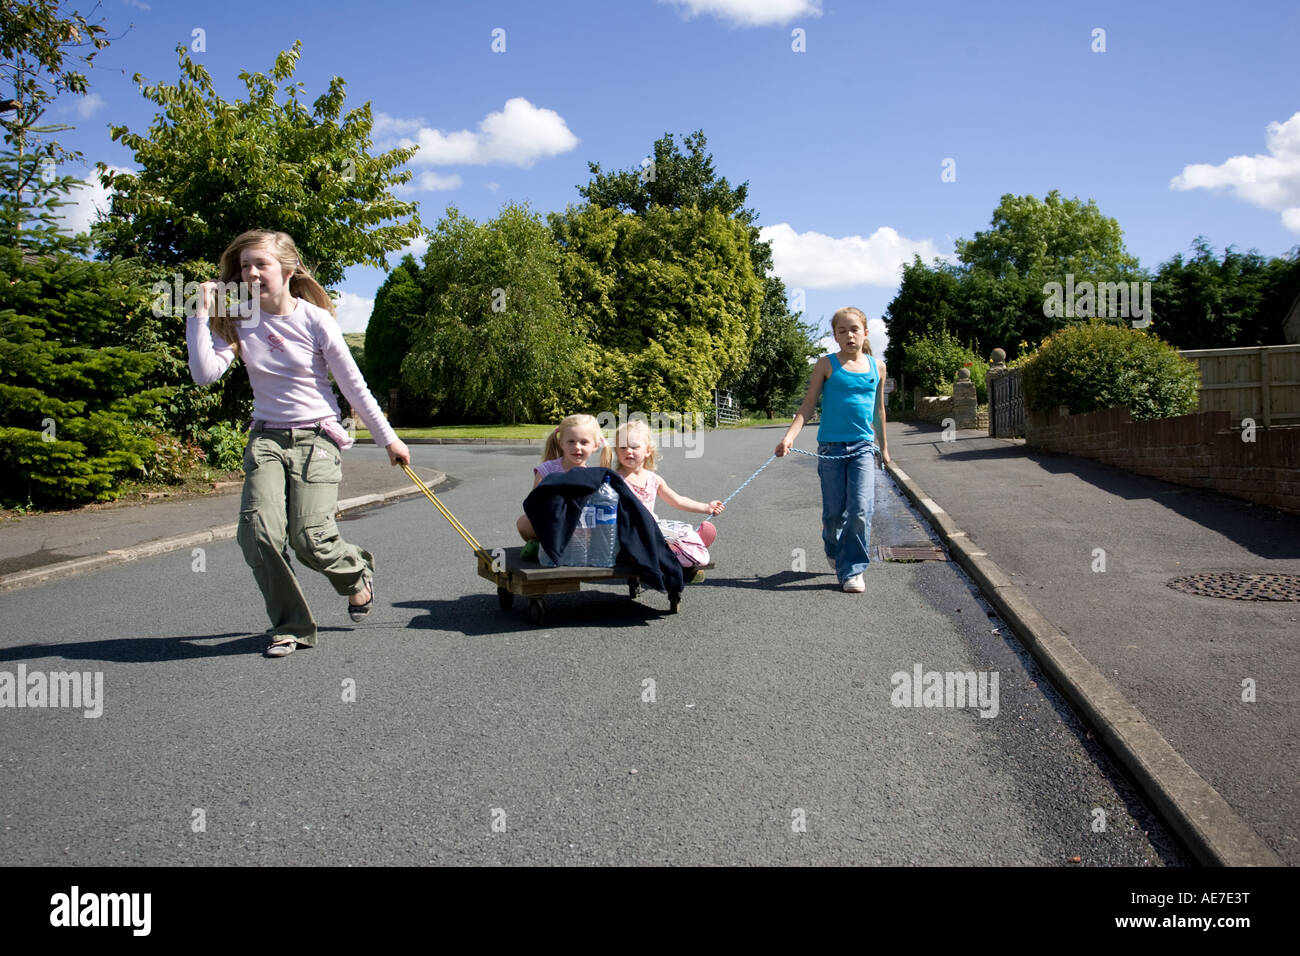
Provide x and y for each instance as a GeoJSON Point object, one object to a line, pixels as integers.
{"type": "Point", "coordinates": [635, 447]}
{"type": "Point", "coordinates": [570, 445]}
{"type": "Point", "coordinates": [292, 467]}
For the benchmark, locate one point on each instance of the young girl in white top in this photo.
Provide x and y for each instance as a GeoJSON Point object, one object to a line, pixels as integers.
{"type": "Point", "coordinates": [292, 468]}
{"type": "Point", "coordinates": [636, 463]}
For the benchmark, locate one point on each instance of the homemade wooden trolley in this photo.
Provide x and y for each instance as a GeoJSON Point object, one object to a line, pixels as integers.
{"type": "Point", "coordinates": [529, 579]}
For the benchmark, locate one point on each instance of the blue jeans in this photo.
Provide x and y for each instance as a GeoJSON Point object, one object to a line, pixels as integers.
{"type": "Point", "coordinates": [848, 497]}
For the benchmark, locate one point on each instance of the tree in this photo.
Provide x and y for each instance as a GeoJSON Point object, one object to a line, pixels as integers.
{"type": "Point", "coordinates": [928, 300]}
{"type": "Point", "coordinates": [669, 300]}
{"type": "Point", "coordinates": [399, 306]}
{"type": "Point", "coordinates": [72, 397]}
{"type": "Point", "coordinates": [995, 296]}
{"type": "Point", "coordinates": [1238, 300]}
{"type": "Point", "coordinates": [41, 56]}
{"type": "Point", "coordinates": [778, 362]}
{"type": "Point", "coordinates": [673, 182]}
{"type": "Point", "coordinates": [211, 169]}
{"type": "Point", "coordinates": [495, 343]}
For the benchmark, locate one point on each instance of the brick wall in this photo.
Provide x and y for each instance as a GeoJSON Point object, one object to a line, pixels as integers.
{"type": "Point", "coordinates": [1201, 450]}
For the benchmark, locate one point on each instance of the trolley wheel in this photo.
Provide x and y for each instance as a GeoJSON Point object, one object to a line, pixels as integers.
{"type": "Point", "coordinates": [505, 599]}
{"type": "Point", "coordinates": [633, 587]}
{"type": "Point", "coordinates": [674, 601]}
{"type": "Point", "coordinates": [536, 610]}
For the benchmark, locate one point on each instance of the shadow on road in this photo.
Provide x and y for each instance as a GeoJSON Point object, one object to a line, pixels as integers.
{"type": "Point", "coordinates": [149, 650]}
{"type": "Point", "coordinates": [478, 615]}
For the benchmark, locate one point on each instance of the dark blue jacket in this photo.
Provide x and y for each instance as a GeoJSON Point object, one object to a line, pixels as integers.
{"type": "Point", "coordinates": [556, 503]}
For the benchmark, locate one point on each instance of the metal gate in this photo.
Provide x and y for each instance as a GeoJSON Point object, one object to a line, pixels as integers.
{"type": "Point", "coordinates": [725, 407]}
{"type": "Point", "coordinates": [1006, 405]}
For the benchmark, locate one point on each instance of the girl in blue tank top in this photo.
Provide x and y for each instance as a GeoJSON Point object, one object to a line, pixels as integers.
{"type": "Point", "coordinates": [852, 427]}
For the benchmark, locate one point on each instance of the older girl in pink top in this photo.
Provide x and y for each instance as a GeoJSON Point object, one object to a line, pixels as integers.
{"type": "Point", "coordinates": [292, 467]}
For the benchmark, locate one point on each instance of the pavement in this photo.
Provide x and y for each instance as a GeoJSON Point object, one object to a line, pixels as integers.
{"type": "Point", "coordinates": [1193, 695]}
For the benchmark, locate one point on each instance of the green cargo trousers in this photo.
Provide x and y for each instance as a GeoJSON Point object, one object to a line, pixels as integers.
{"type": "Point", "coordinates": [291, 488]}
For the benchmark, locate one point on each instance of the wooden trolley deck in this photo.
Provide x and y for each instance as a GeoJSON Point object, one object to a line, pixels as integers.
{"type": "Point", "coordinates": [529, 579]}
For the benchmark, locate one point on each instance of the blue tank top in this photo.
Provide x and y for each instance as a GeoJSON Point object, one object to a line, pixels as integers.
{"type": "Point", "coordinates": [849, 404]}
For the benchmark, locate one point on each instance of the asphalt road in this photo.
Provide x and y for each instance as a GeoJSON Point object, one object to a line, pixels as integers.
{"type": "Point", "coordinates": [475, 737]}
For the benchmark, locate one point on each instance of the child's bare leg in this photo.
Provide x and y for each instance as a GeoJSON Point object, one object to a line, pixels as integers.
{"type": "Point", "coordinates": [525, 528]}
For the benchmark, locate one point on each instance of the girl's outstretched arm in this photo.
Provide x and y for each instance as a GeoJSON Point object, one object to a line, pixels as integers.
{"type": "Point", "coordinates": [687, 504]}
{"type": "Point", "coordinates": [821, 371]}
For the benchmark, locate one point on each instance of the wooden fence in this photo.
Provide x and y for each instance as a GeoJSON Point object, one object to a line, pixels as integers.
{"type": "Point", "coordinates": [1262, 384]}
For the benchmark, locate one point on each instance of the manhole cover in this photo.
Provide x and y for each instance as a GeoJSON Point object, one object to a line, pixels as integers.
{"type": "Point", "coordinates": [910, 553]}
{"type": "Point", "coordinates": [1240, 585]}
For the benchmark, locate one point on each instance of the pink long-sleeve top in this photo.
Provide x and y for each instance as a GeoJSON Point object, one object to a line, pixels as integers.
{"type": "Point", "coordinates": [289, 358]}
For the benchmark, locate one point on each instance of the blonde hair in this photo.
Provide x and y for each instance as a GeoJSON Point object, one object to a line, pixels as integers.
{"type": "Point", "coordinates": [851, 312]}
{"type": "Point", "coordinates": [552, 449]}
{"type": "Point", "coordinates": [620, 440]}
{"type": "Point", "coordinates": [280, 245]}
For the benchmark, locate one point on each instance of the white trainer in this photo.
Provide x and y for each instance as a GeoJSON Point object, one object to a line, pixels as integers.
{"type": "Point", "coordinates": [855, 584]}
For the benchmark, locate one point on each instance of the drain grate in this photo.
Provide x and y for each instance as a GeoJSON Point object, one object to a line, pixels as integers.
{"type": "Point", "coordinates": [1240, 585]}
{"type": "Point", "coordinates": [910, 552]}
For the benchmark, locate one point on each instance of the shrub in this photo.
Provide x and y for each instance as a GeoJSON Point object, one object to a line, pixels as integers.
{"type": "Point", "coordinates": [224, 444]}
{"type": "Point", "coordinates": [932, 364]}
{"type": "Point", "coordinates": [172, 459]}
{"type": "Point", "coordinates": [72, 396]}
{"type": "Point", "coordinates": [1104, 365]}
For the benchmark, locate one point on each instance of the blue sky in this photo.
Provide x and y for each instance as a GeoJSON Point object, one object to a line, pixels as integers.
{"type": "Point", "coordinates": [1187, 124]}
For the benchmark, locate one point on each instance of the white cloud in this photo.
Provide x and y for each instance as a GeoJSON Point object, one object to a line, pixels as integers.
{"type": "Point", "coordinates": [387, 127]}
{"type": "Point", "coordinates": [137, 4]}
{"type": "Point", "coordinates": [491, 187]}
{"type": "Point", "coordinates": [520, 134]}
{"type": "Point", "coordinates": [89, 104]}
{"type": "Point", "coordinates": [85, 202]}
{"type": "Point", "coordinates": [1271, 182]}
{"type": "Point", "coordinates": [353, 311]}
{"type": "Point", "coordinates": [431, 180]}
{"type": "Point", "coordinates": [750, 13]}
{"type": "Point", "coordinates": [812, 260]}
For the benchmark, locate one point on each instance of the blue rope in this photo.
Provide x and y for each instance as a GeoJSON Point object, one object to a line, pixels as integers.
{"type": "Point", "coordinates": [869, 447]}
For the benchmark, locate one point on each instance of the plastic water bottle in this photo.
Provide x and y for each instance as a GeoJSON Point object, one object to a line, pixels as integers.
{"type": "Point", "coordinates": [604, 532]}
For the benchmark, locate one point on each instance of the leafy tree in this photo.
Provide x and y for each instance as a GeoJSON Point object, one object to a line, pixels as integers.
{"type": "Point", "coordinates": [669, 300]}
{"type": "Point", "coordinates": [71, 396]}
{"type": "Point", "coordinates": [495, 343]}
{"type": "Point", "coordinates": [1238, 300]}
{"type": "Point", "coordinates": [778, 362]}
{"type": "Point", "coordinates": [399, 306]}
{"type": "Point", "coordinates": [928, 300]}
{"type": "Point", "coordinates": [675, 181]}
{"type": "Point", "coordinates": [994, 297]}
{"type": "Point", "coordinates": [211, 169]}
{"type": "Point", "coordinates": [42, 53]}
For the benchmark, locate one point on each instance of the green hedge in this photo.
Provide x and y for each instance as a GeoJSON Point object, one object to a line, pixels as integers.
{"type": "Point", "coordinates": [932, 364]}
{"type": "Point", "coordinates": [1104, 365]}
